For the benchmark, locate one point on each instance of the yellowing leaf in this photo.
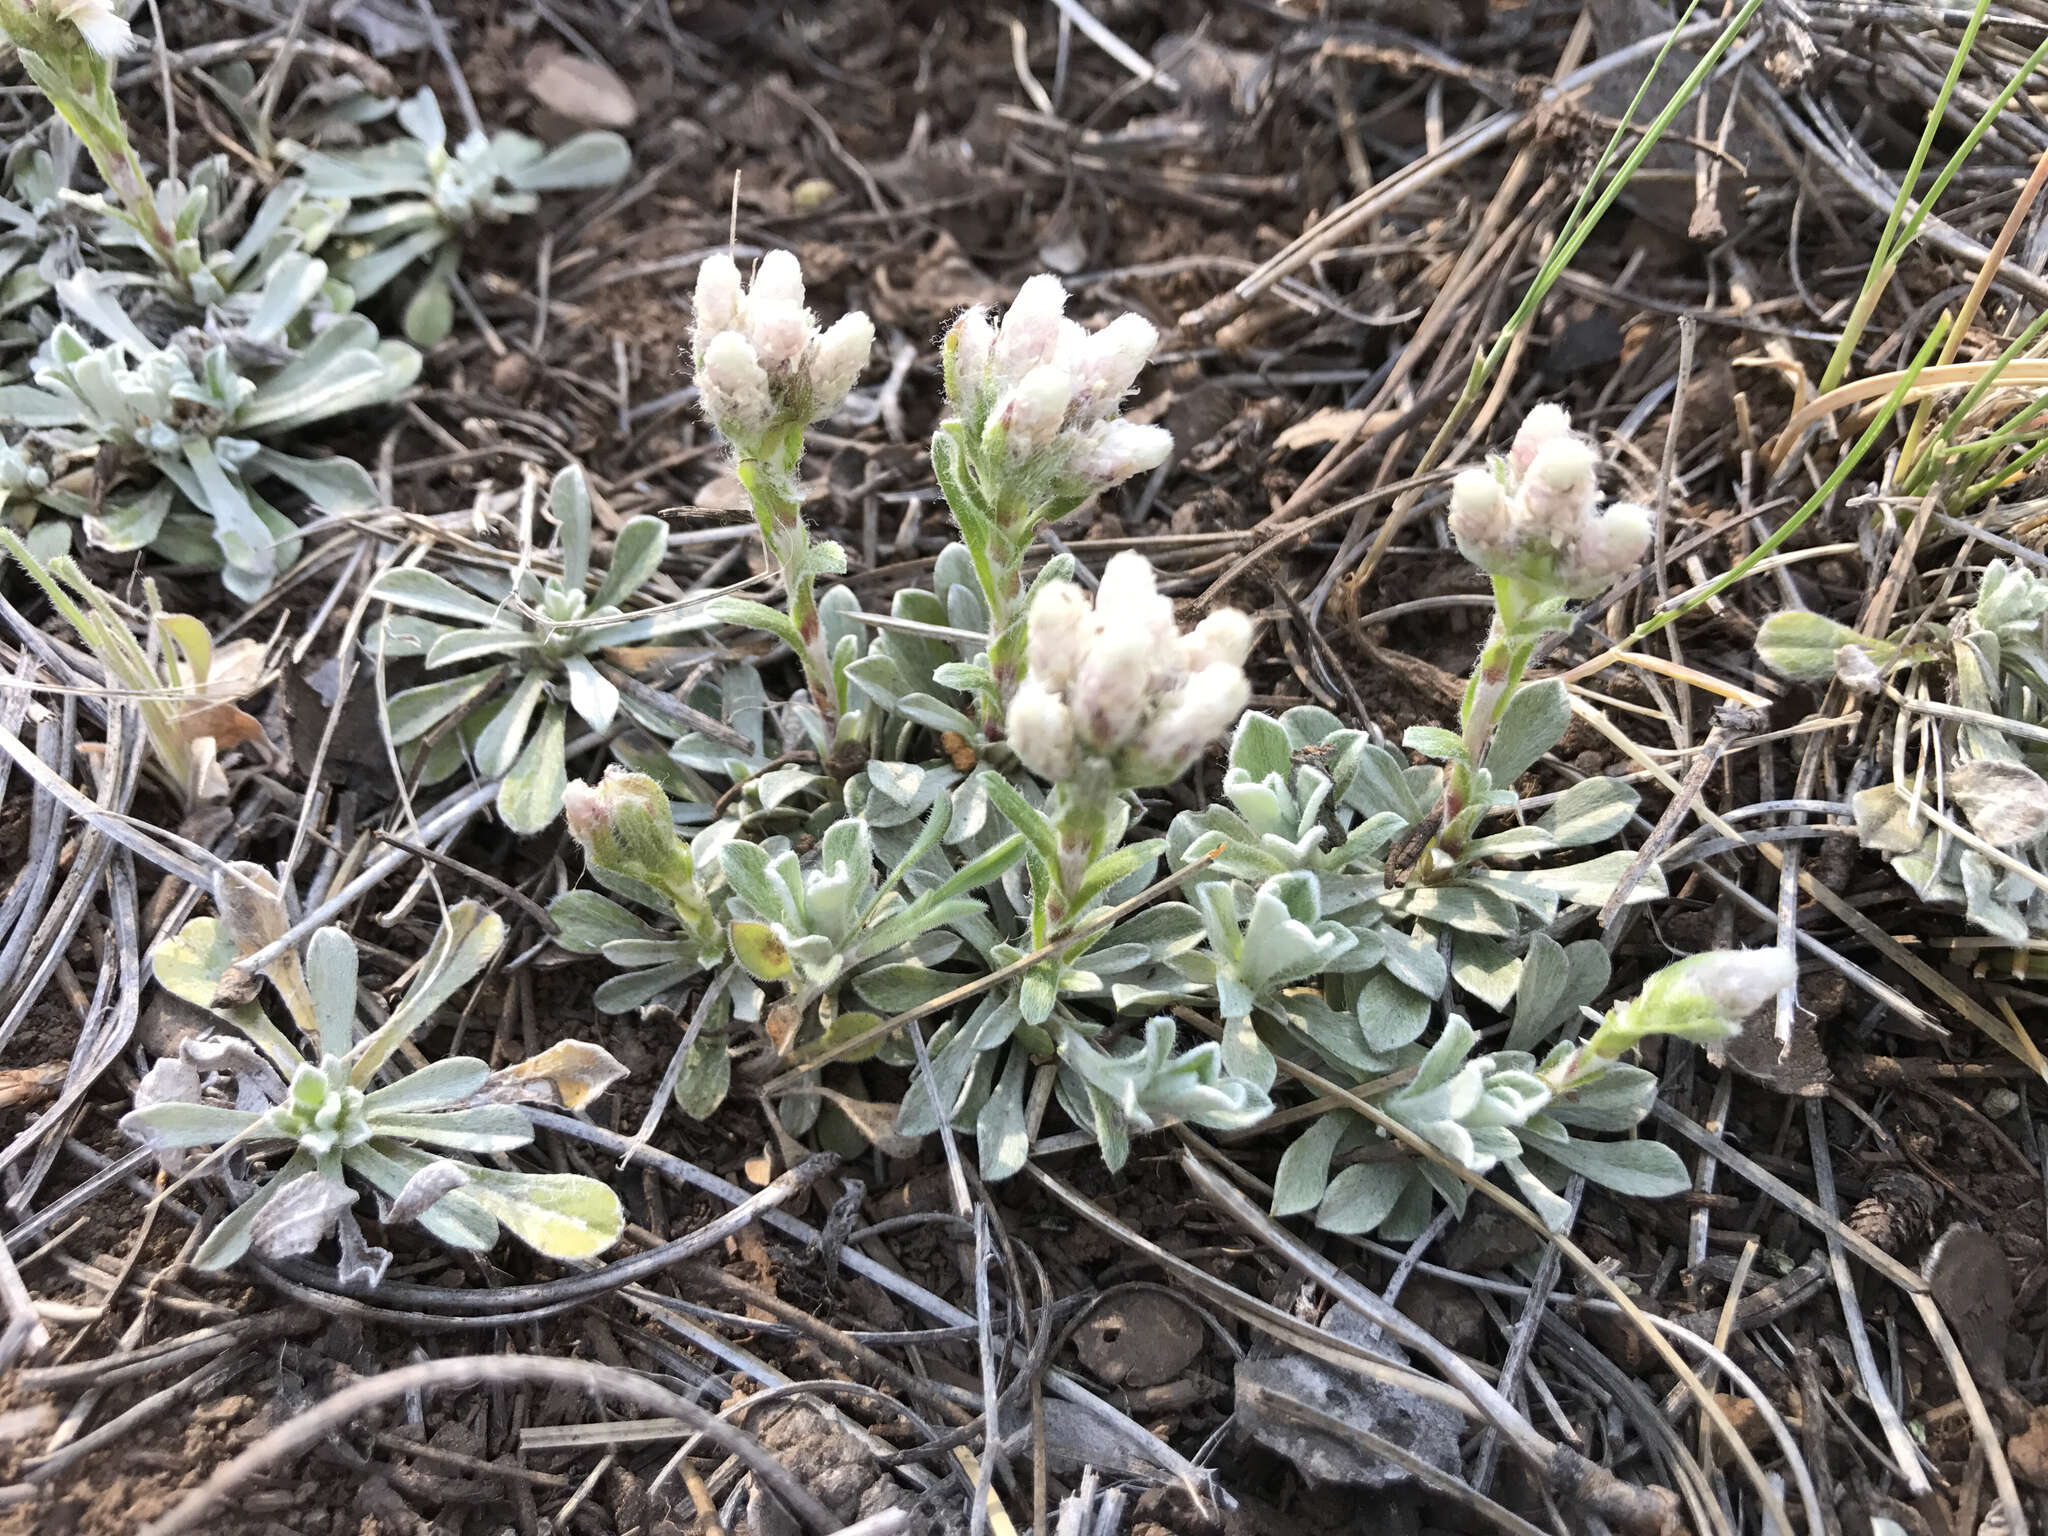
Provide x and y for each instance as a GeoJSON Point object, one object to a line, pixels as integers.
{"type": "Point", "coordinates": [564, 1215]}
{"type": "Point", "coordinates": [760, 951]}
{"type": "Point", "coordinates": [849, 1026]}
{"type": "Point", "coordinates": [575, 1070]}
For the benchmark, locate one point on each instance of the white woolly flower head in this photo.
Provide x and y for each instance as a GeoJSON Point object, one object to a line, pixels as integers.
{"type": "Point", "coordinates": [1042, 731]}
{"type": "Point", "coordinates": [1704, 998]}
{"type": "Point", "coordinates": [100, 23]}
{"type": "Point", "coordinates": [807, 373]}
{"type": "Point", "coordinates": [735, 387]}
{"type": "Point", "coordinates": [1115, 685]}
{"type": "Point", "coordinates": [1537, 513]}
{"type": "Point", "coordinates": [1039, 394]}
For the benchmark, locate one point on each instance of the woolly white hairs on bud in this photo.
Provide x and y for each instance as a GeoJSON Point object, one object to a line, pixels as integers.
{"type": "Point", "coordinates": [1614, 542]}
{"type": "Point", "coordinates": [1137, 694]}
{"type": "Point", "coordinates": [1108, 363]}
{"type": "Point", "coordinates": [1109, 696]}
{"type": "Point", "coordinates": [1224, 637]}
{"type": "Point", "coordinates": [734, 386]}
{"type": "Point", "coordinates": [1119, 450]}
{"type": "Point", "coordinates": [1208, 706]}
{"type": "Point", "coordinates": [778, 280]}
{"type": "Point", "coordinates": [1033, 413]}
{"type": "Point", "coordinates": [1546, 423]}
{"type": "Point", "coordinates": [1070, 349]}
{"type": "Point", "coordinates": [1737, 982]}
{"type": "Point", "coordinates": [1560, 491]}
{"type": "Point", "coordinates": [1061, 625]}
{"type": "Point", "coordinates": [780, 331]}
{"type": "Point", "coordinates": [719, 292]}
{"type": "Point", "coordinates": [842, 353]}
{"type": "Point", "coordinates": [103, 27]}
{"type": "Point", "coordinates": [582, 808]}
{"type": "Point", "coordinates": [1042, 732]}
{"type": "Point", "coordinates": [1030, 331]}
{"type": "Point", "coordinates": [1126, 581]}
{"type": "Point", "coordinates": [1480, 519]}
{"type": "Point", "coordinates": [969, 342]}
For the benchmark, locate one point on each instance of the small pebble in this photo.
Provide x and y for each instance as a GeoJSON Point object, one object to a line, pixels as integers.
{"type": "Point", "coordinates": [511, 374]}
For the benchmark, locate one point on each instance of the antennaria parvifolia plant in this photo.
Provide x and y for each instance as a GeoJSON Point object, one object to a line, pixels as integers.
{"type": "Point", "coordinates": [347, 1113]}
{"type": "Point", "coordinates": [534, 645]}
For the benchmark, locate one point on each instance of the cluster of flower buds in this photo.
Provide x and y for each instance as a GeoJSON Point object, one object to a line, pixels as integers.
{"type": "Point", "coordinates": [1116, 687]}
{"type": "Point", "coordinates": [762, 364]}
{"type": "Point", "coordinates": [1704, 999]}
{"type": "Point", "coordinates": [100, 22]}
{"type": "Point", "coordinates": [1039, 395]}
{"type": "Point", "coordinates": [629, 833]}
{"type": "Point", "coordinates": [1536, 514]}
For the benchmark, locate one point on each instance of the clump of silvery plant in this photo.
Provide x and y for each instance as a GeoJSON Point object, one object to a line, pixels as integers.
{"type": "Point", "coordinates": [524, 652]}
{"type": "Point", "coordinates": [316, 1113]}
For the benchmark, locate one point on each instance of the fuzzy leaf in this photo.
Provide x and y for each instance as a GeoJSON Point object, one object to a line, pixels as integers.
{"type": "Point", "coordinates": [300, 1217]}
{"type": "Point", "coordinates": [596, 159]}
{"type": "Point", "coordinates": [1000, 1134]}
{"type": "Point", "coordinates": [503, 732]}
{"type": "Point", "coordinates": [424, 1190]}
{"type": "Point", "coordinates": [623, 993]}
{"type": "Point", "coordinates": [454, 1218]}
{"type": "Point", "coordinates": [563, 1215]}
{"type": "Point", "coordinates": [531, 795]}
{"type": "Point", "coordinates": [230, 1240]}
{"type": "Point", "coordinates": [1435, 742]}
{"type": "Point", "coordinates": [1648, 1170]}
{"type": "Point", "coordinates": [331, 978]}
{"type": "Point", "coordinates": [170, 1125]}
{"type": "Point", "coordinates": [753, 615]}
{"type": "Point", "coordinates": [2006, 802]}
{"type": "Point", "coordinates": [706, 1077]}
{"type": "Point", "coordinates": [589, 921]}
{"type": "Point", "coordinates": [1390, 1013]}
{"type": "Point", "coordinates": [1590, 883]}
{"type": "Point", "coordinates": [1260, 747]}
{"type": "Point", "coordinates": [637, 551]}
{"type": "Point", "coordinates": [416, 711]}
{"type": "Point", "coordinates": [1534, 722]}
{"type": "Point", "coordinates": [1489, 971]}
{"type": "Point", "coordinates": [1304, 1172]}
{"type": "Point", "coordinates": [486, 1128]}
{"type": "Point", "coordinates": [423, 590]}
{"type": "Point", "coordinates": [437, 1084]}
{"type": "Point", "coordinates": [1361, 1197]}
{"type": "Point", "coordinates": [465, 645]}
{"type": "Point", "coordinates": [463, 945]}
{"type": "Point", "coordinates": [1591, 811]}
{"type": "Point", "coordinates": [1801, 646]}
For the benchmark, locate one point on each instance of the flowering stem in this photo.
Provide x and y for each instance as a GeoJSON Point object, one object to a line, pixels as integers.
{"type": "Point", "coordinates": [771, 488]}
{"type": "Point", "coordinates": [1001, 570]}
{"type": "Point", "coordinates": [79, 84]}
{"type": "Point", "coordinates": [1503, 661]}
{"type": "Point", "coordinates": [1079, 812]}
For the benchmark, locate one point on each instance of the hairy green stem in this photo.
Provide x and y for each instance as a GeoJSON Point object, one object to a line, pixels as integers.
{"type": "Point", "coordinates": [1002, 588]}
{"type": "Point", "coordinates": [771, 488]}
{"type": "Point", "coordinates": [1080, 814]}
{"type": "Point", "coordinates": [1503, 661]}
{"type": "Point", "coordinates": [79, 84]}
